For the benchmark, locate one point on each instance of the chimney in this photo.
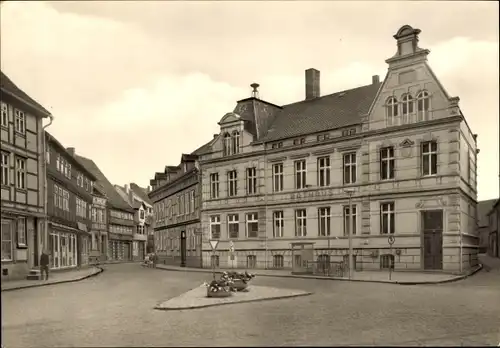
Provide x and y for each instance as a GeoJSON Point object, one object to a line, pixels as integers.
{"type": "Point", "coordinates": [127, 189]}
{"type": "Point", "coordinates": [375, 79]}
{"type": "Point", "coordinates": [312, 84]}
{"type": "Point", "coordinates": [148, 189]}
{"type": "Point", "coordinates": [71, 151]}
{"type": "Point", "coordinates": [216, 135]}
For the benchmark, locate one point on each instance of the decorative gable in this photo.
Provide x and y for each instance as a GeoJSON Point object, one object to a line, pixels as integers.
{"type": "Point", "coordinates": [407, 143]}
{"type": "Point", "coordinates": [229, 119]}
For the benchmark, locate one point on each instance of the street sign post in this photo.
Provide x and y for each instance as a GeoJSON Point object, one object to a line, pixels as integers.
{"type": "Point", "coordinates": [391, 241]}
{"type": "Point", "coordinates": [213, 244]}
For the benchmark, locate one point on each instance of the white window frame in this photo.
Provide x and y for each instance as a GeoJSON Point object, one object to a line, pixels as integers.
{"type": "Point", "coordinates": [300, 223]}
{"type": "Point", "coordinates": [20, 121]}
{"type": "Point", "coordinates": [324, 170]}
{"type": "Point", "coordinates": [251, 181]}
{"type": "Point", "coordinates": [423, 102]}
{"type": "Point", "coordinates": [324, 221]}
{"type": "Point", "coordinates": [407, 108]}
{"type": "Point", "coordinates": [349, 162]}
{"type": "Point", "coordinates": [235, 141]}
{"type": "Point", "coordinates": [214, 185]}
{"type": "Point", "coordinates": [349, 218]}
{"type": "Point", "coordinates": [5, 163]}
{"type": "Point", "coordinates": [278, 177]}
{"type": "Point", "coordinates": [232, 183]}
{"type": "Point", "coordinates": [21, 230]}
{"type": "Point", "coordinates": [7, 244]}
{"type": "Point", "coordinates": [300, 167]}
{"type": "Point", "coordinates": [215, 221]}
{"type": "Point", "coordinates": [4, 114]}
{"type": "Point", "coordinates": [233, 220]}
{"type": "Point", "coordinates": [20, 173]}
{"type": "Point", "coordinates": [427, 151]}
{"type": "Point", "coordinates": [227, 144]}
{"type": "Point", "coordinates": [387, 209]}
{"type": "Point", "coordinates": [68, 174]}
{"type": "Point", "coordinates": [387, 163]}
{"type": "Point", "coordinates": [278, 261]}
{"type": "Point", "coordinates": [252, 218]}
{"type": "Point", "coordinates": [392, 110]}
{"type": "Point", "coordinates": [278, 224]}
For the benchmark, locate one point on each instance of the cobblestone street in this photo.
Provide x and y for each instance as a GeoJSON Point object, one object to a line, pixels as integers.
{"type": "Point", "coordinates": [116, 309]}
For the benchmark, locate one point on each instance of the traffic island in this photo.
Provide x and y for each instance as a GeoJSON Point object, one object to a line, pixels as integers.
{"type": "Point", "coordinates": [197, 297]}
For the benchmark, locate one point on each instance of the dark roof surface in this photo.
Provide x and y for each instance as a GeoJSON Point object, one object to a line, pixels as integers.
{"type": "Point", "coordinates": [114, 198]}
{"type": "Point", "coordinates": [332, 111]}
{"type": "Point", "coordinates": [141, 192]}
{"type": "Point", "coordinates": [483, 208]}
{"type": "Point", "coordinates": [10, 87]}
{"type": "Point", "coordinates": [202, 149]}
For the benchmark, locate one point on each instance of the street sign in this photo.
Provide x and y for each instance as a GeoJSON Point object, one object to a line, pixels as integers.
{"type": "Point", "coordinates": [391, 240]}
{"type": "Point", "coordinates": [214, 244]}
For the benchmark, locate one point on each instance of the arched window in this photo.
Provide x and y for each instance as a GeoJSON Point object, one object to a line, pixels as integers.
{"type": "Point", "coordinates": [408, 108]}
{"type": "Point", "coordinates": [423, 105]}
{"type": "Point", "coordinates": [227, 144]}
{"type": "Point", "coordinates": [278, 261]}
{"type": "Point", "coordinates": [236, 141]}
{"type": "Point", "coordinates": [392, 110]}
{"type": "Point", "coordinates": [386, 261]}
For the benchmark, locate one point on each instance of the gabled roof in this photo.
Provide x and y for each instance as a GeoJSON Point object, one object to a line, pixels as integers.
{"type": "Point", "coordinates": [483, 208]}
{"type": "Point", "coordinates": [114, 199]}
{"type": "Point", "coordinates": [332, 111]}
{"type": "Point", "coordinates": [202, 149]}
{"type": "Point", "coordinates": [141, 192]}
{"type": "Point", "coordinates": [9, 87]}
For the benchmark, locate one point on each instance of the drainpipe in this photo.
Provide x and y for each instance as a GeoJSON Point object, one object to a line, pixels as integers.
{"type": "Point", "coordinates": [45, 188]}
{"type": "Point", "coordinates": [265, 201]}
{"type": "Point", "coordinates": [460, 256]}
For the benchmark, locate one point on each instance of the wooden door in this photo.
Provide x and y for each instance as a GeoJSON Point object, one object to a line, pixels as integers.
{"type": "Point", "coordinates": [432, 229]}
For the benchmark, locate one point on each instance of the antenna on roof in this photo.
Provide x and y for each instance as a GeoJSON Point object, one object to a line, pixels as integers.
{"type": "Point", "coordinates": [255, 92]}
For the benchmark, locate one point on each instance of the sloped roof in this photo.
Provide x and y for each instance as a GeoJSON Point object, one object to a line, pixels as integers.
{"type": "Point", "coordinates": [10, 87]}
{"type": "Point", "coordinates": [483, 208]}
{"type": "Point", "coordinates": [202, 149]}
{"type": "Point", "coordinates": [332, 111]}
{"type": "Point", "coordinates": [141, 192]}
{"type": "Point", "coordinates": [114, 198]}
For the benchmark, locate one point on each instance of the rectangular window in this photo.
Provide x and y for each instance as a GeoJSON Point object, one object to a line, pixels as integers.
{"type": "Point", "coordinates": [251, 181]}
{"type": "Point", "coordinates": [252, 225]}
{"type": "Point", "coordinates": [300, 223]}
{"type": "Point", "coordinates": [21, 232]}
{"type": "Point", "coordinates": [279, 224]}
{"type": "Point", "coordinates": [348, 219]}
{"type": "Point", "coordinates": [5, 115]}
{"type": "Point", "coordinates": [387, 224]}
{"type": "Point", "coordinates": [233, 225]}
{"type": "Point", "coordinates": [20, 173]}
{"type": "Point", "coordinates": [324, 171]}
{"type": "Point", "coordinates": [186, 203]}
{"type": "Point", "coordinates": [47, 155]}
{"type": "Point", "coordinates": [387, 163]}
{"type": "Point", "coordinates": [20, 123]}
{"type": "Point", "coordinates": [324, 219]}
{"type": "Point", "coordinates": [429, 158]}
{"type": "Point", "coordinates": [191, 201]}
{"type": "Point", "coordinates": [349, 168]}
{"type": "Point", "coordinates": [6, 240]}
{"type": "Point", "coordinates": [232, 183]}
{"type": "Point", "coordinates": [215, 227]}
{"type": "Point", "coordinates": [278, 177]}
{"type": "Point", "coordinates": [58, 163]}
{"type": "Point", "coordinates": [68, 174]}
{"type": "Point", "coordinates": [5, 168]}
{"type": "Point", "coordinates": [468, 167]}
{"type": "Point", "coordinates": [300, 174]}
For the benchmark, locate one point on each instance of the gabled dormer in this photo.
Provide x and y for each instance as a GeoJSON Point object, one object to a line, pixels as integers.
{"type": "Point", "coordinates": [411, 92]}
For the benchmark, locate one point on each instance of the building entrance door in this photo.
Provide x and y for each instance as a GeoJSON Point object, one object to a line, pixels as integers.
{"type": "Point", "coordinates": [432, 230]}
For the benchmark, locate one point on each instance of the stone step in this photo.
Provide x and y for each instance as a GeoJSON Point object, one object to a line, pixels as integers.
{"type": "Point", "coordinates": [33, 277]}
{"type": "Point", "coordinates": [34, 272]}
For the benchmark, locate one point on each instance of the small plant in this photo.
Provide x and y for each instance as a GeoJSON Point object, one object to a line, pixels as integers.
{"type": "Point", "coordinates": [222, 285]}
{"type": "Point", "coordinates": [243, 276]}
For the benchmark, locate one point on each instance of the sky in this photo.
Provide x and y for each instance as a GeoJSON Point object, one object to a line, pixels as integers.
{"type": "Point", "coordinates": [133, 85]}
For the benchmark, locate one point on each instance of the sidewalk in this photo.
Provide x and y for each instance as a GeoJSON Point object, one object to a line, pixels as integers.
{"type": "Point", "coordinates": [491, 264]}
{"type": "Point", "coordinates": [401, 277]}
{"type": "Point", "coordinates": [54, 278]}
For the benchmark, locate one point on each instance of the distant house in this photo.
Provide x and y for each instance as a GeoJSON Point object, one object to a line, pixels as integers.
{"type": "Point", "coordinates": [483, 209]}
{"type": "Point", "coordinates": [494, 227]}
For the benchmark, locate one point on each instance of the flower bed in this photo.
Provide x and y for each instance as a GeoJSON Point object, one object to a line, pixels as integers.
{"type": "Point", "coordinates": [239, 280]}
{"type": "Point", "coordinates": [219, 288]}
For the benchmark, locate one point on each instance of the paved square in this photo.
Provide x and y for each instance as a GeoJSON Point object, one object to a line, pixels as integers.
{"type": "Point", "coordinates": [196, 298]}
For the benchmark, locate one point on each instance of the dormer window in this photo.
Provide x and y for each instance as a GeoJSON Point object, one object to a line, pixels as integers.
{"type": "Point", "coordinates": [227, 144]}
{"type": "Point", "coordinates": [236, 142]}
{"type": "Point", "coordinates": [423, 106]}
{"type": "Point", "coordinates": [407, 108]}
{"type": "Point", "coordinates": [392, 110]}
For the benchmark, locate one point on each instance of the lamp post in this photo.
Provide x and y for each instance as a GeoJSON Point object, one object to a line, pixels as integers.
{"type": "Point", "coordinates": [349, 226]}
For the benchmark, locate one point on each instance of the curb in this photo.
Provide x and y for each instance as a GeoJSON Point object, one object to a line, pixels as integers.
{"type": "Point", "coordinates": [99, 271]}
{"type": "Point", "coordinates": [230, 303]}
{"type": "Point", "coordinates": [332, 278]}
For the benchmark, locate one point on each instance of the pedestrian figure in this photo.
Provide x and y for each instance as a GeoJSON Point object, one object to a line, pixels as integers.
{"type": "Point", "coordinates": [44, 264]}
{"type": "Point", "coordinates": [155, 260]}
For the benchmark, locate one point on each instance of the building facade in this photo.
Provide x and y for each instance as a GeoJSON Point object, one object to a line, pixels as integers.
{"type": "Point", "coordinates": [69, 207]}
{"type": "Point", "coordinates": [99, 249]}
{"type": "Point", "coordinates": [395, 158]}
{"type": "Point", "coordinates": [22, 180]}
{"type": "Point", "coordinates": [118, 240]}
{"type": "Point", "coordinates": [176, 207]}
{"type": "Point", "coordinates": [494, 227]}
